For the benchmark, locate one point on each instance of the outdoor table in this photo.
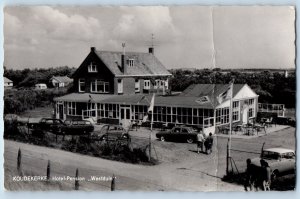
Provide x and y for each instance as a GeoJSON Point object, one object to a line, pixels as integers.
{"type": "Point", "coordinates": [248, 128]}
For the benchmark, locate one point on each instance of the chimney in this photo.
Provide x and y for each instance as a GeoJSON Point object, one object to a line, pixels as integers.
{"type": "Point", "coordinates": [151, 50]}
{"type": "Point", "coordinates": [123, 66]}
{"type": "Point", "coordinates": [93, 49]}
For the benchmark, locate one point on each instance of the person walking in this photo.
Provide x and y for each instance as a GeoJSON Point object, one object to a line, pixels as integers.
{"type": "Point", "coordinates": [209, 143]}
{"type": "Point", "coordinates": [200, 142]}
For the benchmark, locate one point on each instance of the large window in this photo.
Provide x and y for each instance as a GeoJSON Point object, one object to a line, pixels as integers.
{"type": "Point", "coordinates": [92, 68]}
{"type": "Point", "coordinates": [178, 115]}
{"type": "Point", "coordinates": [251, 112]}
{"type": "Point", "coordinates": [251, 104]}
{"type": "Point", "coordinates": [236, 111]}
{"type": "Point", "coordinates": [108, 110]}
{"type": "Point", "coordinates": [71, 108]}
{"type": "Point", "coordinates": [98, 86]}
{"type": "Point", "coordinates": [139, 111]}
{"type": "Point", "coordinates": [222, 116]}
{"type": "Point", "coordinates": [81, 85]}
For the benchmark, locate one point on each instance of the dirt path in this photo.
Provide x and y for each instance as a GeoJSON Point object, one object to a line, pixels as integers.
{"type": "Point", "coordinates": [196, 172]}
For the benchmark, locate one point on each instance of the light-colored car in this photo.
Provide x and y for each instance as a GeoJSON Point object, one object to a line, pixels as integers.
{"type": "Point", "coordinates": [110, 133]}
{"type": "Point", "coordinates": [281, 161]}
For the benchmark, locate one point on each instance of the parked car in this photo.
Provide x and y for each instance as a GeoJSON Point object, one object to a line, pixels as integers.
{"type": "Point", "coordinates": [281, 161]}
{"type": "Point", "coordinates": [110, 133]}
{"type": "Point", "coordinates": [77, 127]}
{"type": "Point", "coordinates": [51, 125]}
{"type": "Point", "coordinates": [178, 133]}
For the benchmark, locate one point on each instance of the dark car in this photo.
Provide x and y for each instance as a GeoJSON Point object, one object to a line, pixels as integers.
{"type": "Point", "coordinates": [178, 133]}
{"type": "Point", "coordinates": [77, 127]}
{"type": "Point", "coordinates": [51, 125]}
{"type": "Point", "coordinates": [110, 133]}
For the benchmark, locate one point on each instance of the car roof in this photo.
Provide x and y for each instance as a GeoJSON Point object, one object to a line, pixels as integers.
{"type": "Point", "coordinates": [279, 150]}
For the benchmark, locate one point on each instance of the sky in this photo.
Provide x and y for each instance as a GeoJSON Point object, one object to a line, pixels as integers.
{"type": "Point", "coordinates": [184, 36]}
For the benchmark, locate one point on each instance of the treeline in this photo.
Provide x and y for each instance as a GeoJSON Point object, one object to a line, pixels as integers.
{"type": "Point", "coordinates": [272, 87]}
{"type": "Point", "coordinates": [29, 77]}
{"type": "Point", "coordinates": [18, 101]}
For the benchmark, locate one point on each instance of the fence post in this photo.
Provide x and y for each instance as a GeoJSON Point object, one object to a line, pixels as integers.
{"type": "Point", "coordinates": [149, 158]}
{"type": "Point", "coordinates": [262, 149]}
{"type": "Point", "coordinates": [48, 170]}
{"type": "Point", "coordinates": [19, 161]}
{"type": "Point", "coordinates": [113, 183]}
{"type": "Point", "coordinates": [76, 180]}
{"type": "Point", "coordinates": [227, 159]}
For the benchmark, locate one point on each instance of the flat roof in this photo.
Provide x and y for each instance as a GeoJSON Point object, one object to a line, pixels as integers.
{"type": "Point", "coordinates": [178, 101]}
{"type": "Point", "coordinates": [83, 97]}
{"type": "Point", "coordinates": [136, 99]}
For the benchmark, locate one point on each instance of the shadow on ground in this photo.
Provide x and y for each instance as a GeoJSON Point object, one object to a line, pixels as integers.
{"type": "Point", "coordinates": [283, 183]}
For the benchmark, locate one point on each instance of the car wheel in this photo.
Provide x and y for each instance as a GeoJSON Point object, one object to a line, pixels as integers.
{"type": "Point", "coordinates": [190, 140]}
{"type": "Point", "coordinates": [162, 138]}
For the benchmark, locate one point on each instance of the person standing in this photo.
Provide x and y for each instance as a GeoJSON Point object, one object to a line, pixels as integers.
{"type": "Point", "coordinates": [209, 143]}
{"type": "Point", "coordinates": [267, 176]}
{"type": "Point", "coordinates": [250, 178]}
{"type": "Point", "coordinates": [200, 142]}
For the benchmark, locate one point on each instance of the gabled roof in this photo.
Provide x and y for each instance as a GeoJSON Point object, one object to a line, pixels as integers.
{"type": "Point", "coordinates": [6, 80]}
{"type": "Point", "coordinates": [210, 90]}
{"type": "Point", "coordinates": [145, 64]}
{"type": "Point", "coordinates": [62, 79]}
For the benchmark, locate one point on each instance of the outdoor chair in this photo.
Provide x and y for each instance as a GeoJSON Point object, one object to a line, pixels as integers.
{"type": "Point", "coordinates": [269, 122]}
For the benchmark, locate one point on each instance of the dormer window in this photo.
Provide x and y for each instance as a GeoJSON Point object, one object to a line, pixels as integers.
{"type": "Point", "coordinates": [130, 62]}
{"type": "Point", "coordinates": [92, 68]}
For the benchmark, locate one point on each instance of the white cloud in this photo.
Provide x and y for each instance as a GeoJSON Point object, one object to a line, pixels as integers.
{"type": "Point", "coordinates": [44, 23]}
{"type": "Point", "coordinates": [136, 24]}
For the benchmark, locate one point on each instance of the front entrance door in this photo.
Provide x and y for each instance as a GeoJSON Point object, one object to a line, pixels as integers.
{"type": "Point", "coordinates": [125, 116]}
{"type": "Point", "coordinates": [245, 115]}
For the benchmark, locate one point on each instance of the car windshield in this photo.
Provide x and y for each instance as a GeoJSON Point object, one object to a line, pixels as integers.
{"type": "Point", "coordinates": [270, 155]}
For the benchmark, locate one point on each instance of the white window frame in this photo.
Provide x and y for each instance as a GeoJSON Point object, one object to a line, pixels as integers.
{"type": "Point", "coordinates": [97, 83]}
{"type": "Point", "coordinates": [221, 117]}
{"type": "Point", "coordinates": [251, 112]}
{"type": "Point", "coordinates": [81, 81]}
{"type": "Point", "coordinates": [147, 84]}
{"type": "Point", "coordinates": [251, 105]}
{"type": "Point", "coordinates": [137, 86]}
{"type": "Point", "coordinates": [130, 62]}
{"type": "Point", "coordinates": [92, 68]}
{"type": "Point", "coordinates": [71, 107]}
{"type": "Point", "coordinates": [236, 111]}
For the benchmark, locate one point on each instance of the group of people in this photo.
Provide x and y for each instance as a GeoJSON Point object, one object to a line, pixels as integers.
{"type": "Point", "coordinates": [258, 177]}
{"type": "Point", "coordinates": [204, 142]}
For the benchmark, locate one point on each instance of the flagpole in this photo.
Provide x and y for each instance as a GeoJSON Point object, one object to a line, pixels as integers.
{"type": "Point", "coordinates": [151, 127]}
{"type": "Point", "coordinates": [230, 128]}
